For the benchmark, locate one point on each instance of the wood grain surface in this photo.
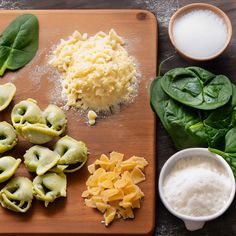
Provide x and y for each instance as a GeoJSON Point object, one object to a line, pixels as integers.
{"type": "Point", "coordinates": [130, 131]}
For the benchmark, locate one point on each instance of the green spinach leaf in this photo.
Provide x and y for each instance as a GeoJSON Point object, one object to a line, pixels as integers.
{"type": "Point", "coordinates": [182, 123]}
{"type": "Point", "coordinates": [19, 42]}
{"type": "Point", "coordinates": [196, 87]}
{"type": "Point", "coordinates": [229, 153]}
{"type": "Point", "coordinates": [220, 121]}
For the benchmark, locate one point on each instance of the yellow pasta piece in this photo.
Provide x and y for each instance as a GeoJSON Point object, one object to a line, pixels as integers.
{"type": "Point", "coordinates": [104, 158]}
{"type": "Point", "coordinates": [85, 193]}
{"type": "Point", "coordinates": [141, 162]}
{"type": "Point", "coordinates": [116, 156]}
{"type": "Point", "coordinates": [111, 187]}
{"type": "Point", "coordinates": [136, 204]}
{"type": "Point", "coordinates": [108, 193]}
{"type": "Point", "coordinates": [107, 183]}
{"type": "Point", "coordinates": [109, 215]}
{"type": "Point", "coordinates": [125, 204]}
{"type": "Point", "coordinates": [94, 190]}
{"type": "Point", "coordinates": [121, 183]}
{"type": "Point", "coordinates": [127, 213]}
{"type": "Point", "coordinates": [117, 196]}
{"type": "Point", "coordinates": [92, 168]}
{"type": "Point", "coordinates": [102, 206]}
{"type": "Point", "coordinates": [128, 165]}
{"type": "Point", "coordinates": [107, 176]}
{"type": "Point", "coordinates": [137, 175]}
{"type": "Point", "coordinates": [97, 199]}
{"type": "Point", "coordinates": [90, 203]}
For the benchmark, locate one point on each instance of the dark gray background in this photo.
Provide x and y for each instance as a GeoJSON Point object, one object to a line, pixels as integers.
{"type": "Point", "coordinates": [167, 225]}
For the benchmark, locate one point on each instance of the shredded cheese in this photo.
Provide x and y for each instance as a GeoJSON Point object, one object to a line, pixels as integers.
{"type": "Point", "coordinates": [112, 186]}
{"type": "Point", "coordinates": [92, 117]}
{"type": "Point", "coordinates": [97, 71]}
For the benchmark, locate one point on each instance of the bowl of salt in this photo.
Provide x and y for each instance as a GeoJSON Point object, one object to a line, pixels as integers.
{"type": "Point", "coordinates": [196, 186]}
{"type": "Point", "coordinates": [200, 31]}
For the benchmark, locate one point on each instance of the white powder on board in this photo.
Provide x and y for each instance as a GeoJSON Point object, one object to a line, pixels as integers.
{"type": "Point", "coordinates": [197, 186]}
{"type": "Point", "coordinates": [200, 33]}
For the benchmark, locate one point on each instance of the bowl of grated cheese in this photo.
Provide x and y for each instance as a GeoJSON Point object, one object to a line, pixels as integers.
{"type": "Point", "coordinates": [196, 186]}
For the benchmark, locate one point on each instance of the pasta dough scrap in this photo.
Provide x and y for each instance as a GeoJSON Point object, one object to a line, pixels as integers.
{"type": "Point", "coordinates": [112, 186]}
{"type": "Point", "coordinates": [97, 71]}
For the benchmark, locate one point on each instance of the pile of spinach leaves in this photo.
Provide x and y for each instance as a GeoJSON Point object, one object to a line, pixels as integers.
{"type": "Point", "coordinates": [19, 42]}
{"type": "Point", "coordinates": [198, 109]}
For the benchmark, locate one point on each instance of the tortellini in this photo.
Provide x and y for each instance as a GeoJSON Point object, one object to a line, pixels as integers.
{"type": "Point", "coordinates": [40, 159]}
{"type": "Point", "coordinates": [17, 195]}
{"type": "Point", "coordinates": [36, 126]}
{"type": "Point", "coordinates": [7, 92]}
{"type": "Point", "coordinates": [50, 186]}
{"type": "Point", "coordinates": [8, 137]}
{"type": "Point", "coordinates": [26, 112]}
{"type": "Point", "coordinates": [73, 154]}
{"type": "Point", "coordinates": [38, 133]}
{"type": "Point", "coordinates": [8, 167]}
{"type": "Point", "coordinates": [55, 118]}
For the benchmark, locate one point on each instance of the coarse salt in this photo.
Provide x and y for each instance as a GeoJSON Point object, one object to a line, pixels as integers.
{"type": "Point", "coordinates": [197, 186]}
{"type": "Point", "coordinates": [200, 33]}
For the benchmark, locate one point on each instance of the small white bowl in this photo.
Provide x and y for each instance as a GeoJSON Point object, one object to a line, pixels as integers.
{"type": "Point", "coordinates": [197, 6]}
{"type": "Point", "coordinates": [191, 222]}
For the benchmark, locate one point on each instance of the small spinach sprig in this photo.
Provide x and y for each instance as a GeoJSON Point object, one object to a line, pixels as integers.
{"type": "Point", "coordinates": [19, 42]}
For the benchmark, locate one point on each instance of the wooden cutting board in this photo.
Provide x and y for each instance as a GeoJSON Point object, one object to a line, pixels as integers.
{"type": "Point", "coordinates": [130, 131]}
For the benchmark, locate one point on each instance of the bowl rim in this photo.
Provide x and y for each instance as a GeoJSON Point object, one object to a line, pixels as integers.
{"type": "Point", "coordinates": [194, 6]}
{"type": "Point", "coordinates": [203, 151]}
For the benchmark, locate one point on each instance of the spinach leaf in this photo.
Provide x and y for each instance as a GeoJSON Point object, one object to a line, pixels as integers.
{"type": "Point", "coordinates": [229, 153]}
{"type": "Point", "coordinates": [196, 87]}
{"type": "Point", "coordinates": [230, 141]}
{"type": "Point", "coordinates": [220, 121]}
{"type": "Point", "coordinates": [182, 123]}
{"type": "Point", "coordinates": [19, 42]}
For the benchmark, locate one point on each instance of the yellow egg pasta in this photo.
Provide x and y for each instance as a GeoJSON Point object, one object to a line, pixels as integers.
{"type": "Point", "coordinates": [112, 186]}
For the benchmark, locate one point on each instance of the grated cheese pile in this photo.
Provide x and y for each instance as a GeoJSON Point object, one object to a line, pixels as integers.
{"type": "Point", "coordinates": [97, 71]}
{"type": "Point", "coordinates": [112, 187]}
